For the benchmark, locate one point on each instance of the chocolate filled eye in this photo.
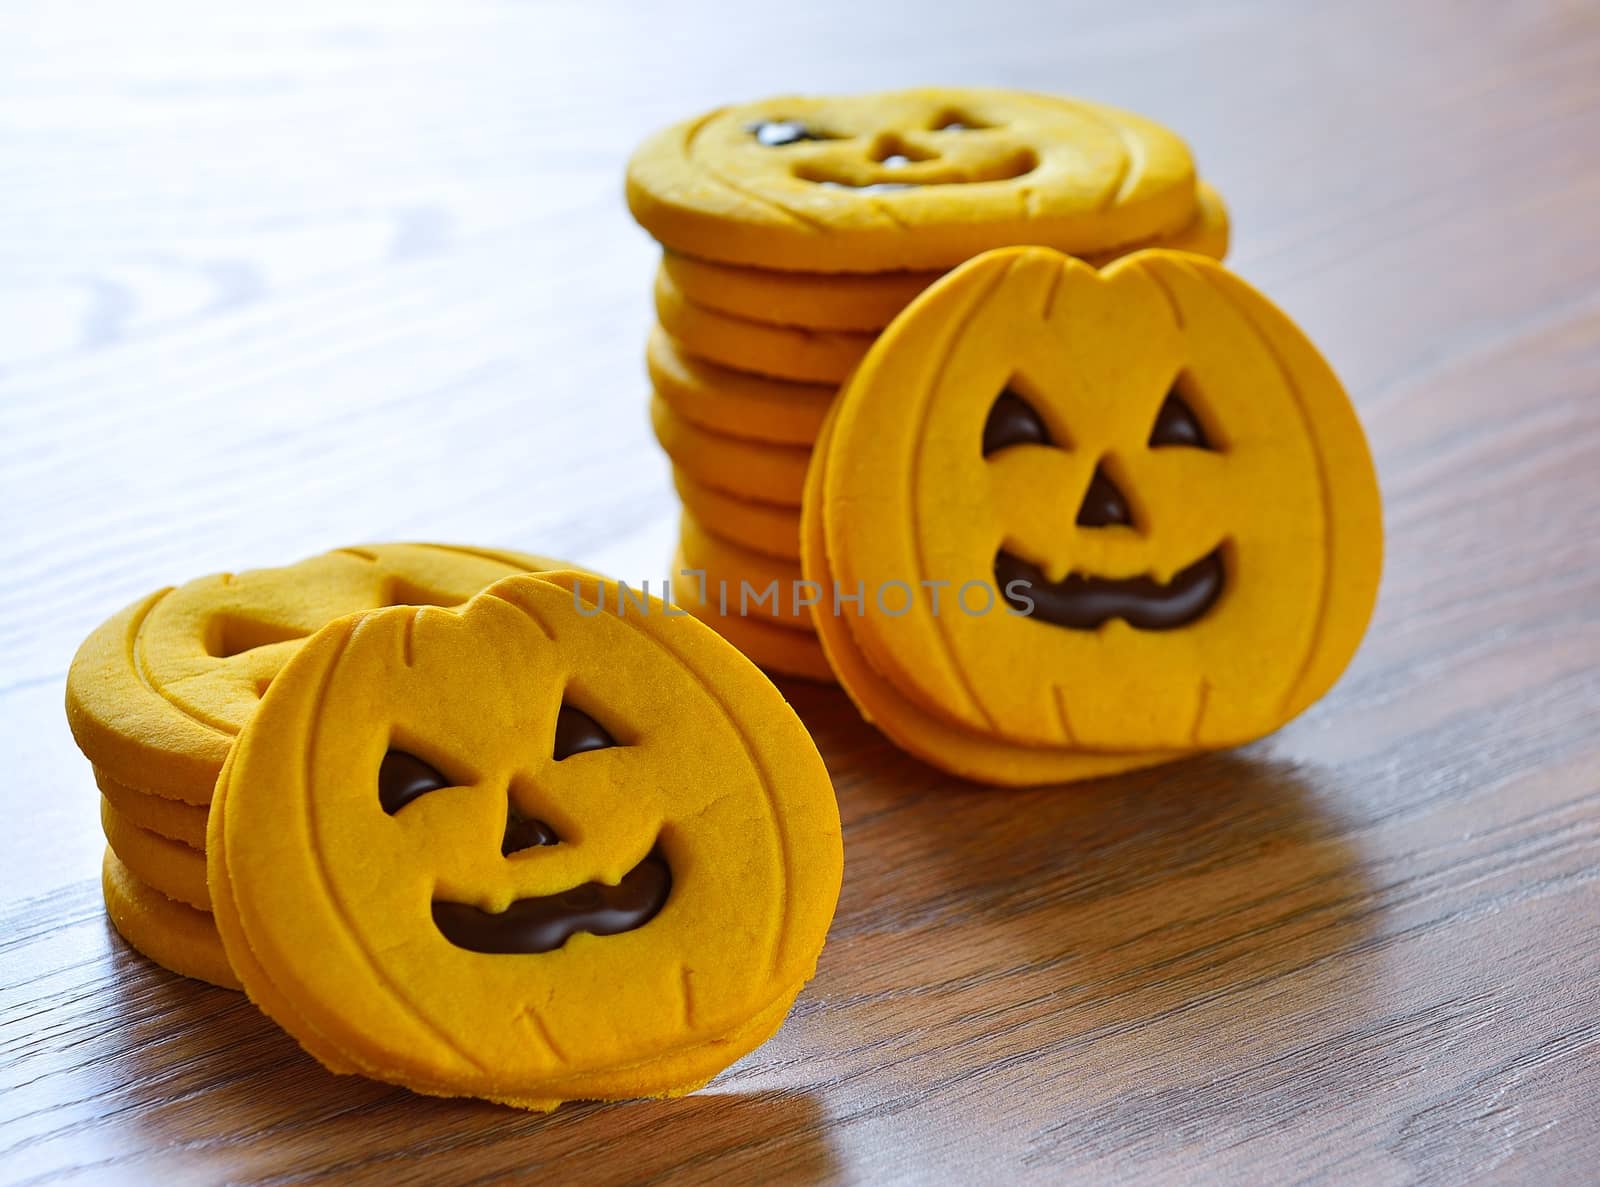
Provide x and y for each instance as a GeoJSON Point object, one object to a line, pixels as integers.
{"type": "Point", "coordinates": [1176, 424]}
{"type": "Point", "coordinates": [402, 777]}
{"type": "Point", "coordinates": [576, 732]}
{"type": "Point", "coordinates": [1013, 421]}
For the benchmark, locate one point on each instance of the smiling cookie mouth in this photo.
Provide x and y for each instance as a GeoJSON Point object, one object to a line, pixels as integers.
{"type": "Point", "coordinates": [545, 922]}
{"type": "Point", "coordinates": [903, 173]}
{"type": "Point", "coordinates": [1083, 603]}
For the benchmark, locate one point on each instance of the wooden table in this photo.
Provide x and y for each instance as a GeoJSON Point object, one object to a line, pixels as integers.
{"type": "Point", "coordinates": [276, 278]}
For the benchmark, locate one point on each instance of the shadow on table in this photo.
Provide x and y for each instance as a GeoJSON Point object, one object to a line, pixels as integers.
{"type": "Point", "coordinates": [1186, 902]}
{"type": "Point", "coordinates": [196, 1078]}
{"type": "Point", "coordinates": [1119, 937]}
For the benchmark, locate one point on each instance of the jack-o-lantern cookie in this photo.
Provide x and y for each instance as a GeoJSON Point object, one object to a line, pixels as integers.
{"type": "Point", "coordinates": [176, 936]}
{"type": "Point", "coordinates": [766, 528]}
{"type": "Point", "coordinates": [736, 403]}
{"type": "Point", "coordinates": [546, 846]}
{"type": "Point", "coordinates": [1144, 496]}
{"type": "Point", "coordinates": [169, 866]}
{"type": "Point", "coordinates": [747, 469]}
{"type": "Point", "coordinates": [776, 649]}
{"type": "Point", "coordinates": [916, 179]}
{"type": "Point", "coordinates": [751, 584]}
{"type": "Point", "coordinates": [156, 694]}
{"type": "Point", "coordinates": [173, 819]}
{"type": "Point", "coordinates": [868, 302]}
{"type": "Point", "coordinates": [779, 352]}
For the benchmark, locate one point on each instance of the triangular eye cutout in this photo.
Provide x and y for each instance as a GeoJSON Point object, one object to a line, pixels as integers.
{"type": "Point", "coordinates": [402, 777]}
{"type": "Point", "coordinates": [1013, 421]}
{"type": "Point", "coordinates": [1176, 424]}
{"type": "Point", "coordinates": [577, 732]}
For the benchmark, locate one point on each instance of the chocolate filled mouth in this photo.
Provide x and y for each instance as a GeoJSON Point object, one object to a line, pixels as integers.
{"type": "Point", "coordinates": [1084, 603]}
{"type": "Point", "coordinates": [546, 922]}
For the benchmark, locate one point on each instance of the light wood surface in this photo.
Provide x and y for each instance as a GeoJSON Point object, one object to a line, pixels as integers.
{"type": "Point", "coordinates": [276, 278]}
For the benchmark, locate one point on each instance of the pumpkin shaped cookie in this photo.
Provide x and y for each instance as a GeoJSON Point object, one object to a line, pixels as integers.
{"type": "Point", "coordinates": [914, 179]}
{"type": "Point", "coordinates": [775, 649]}
{"type": "Point", "coordinates": [789, 353]}
{"type": "Point", "coordinates": [829, 301]}
{"type": "Point", "coordinates": [1143, 494]}
{"type": "Point", "coordinates": [754, 470]}
{"type": "Point", "coordinates": [156, 694]}
{"type": "Point", "coordinates": [173, 868]}
{"type": "Point", "coordinates": [173, 819]}
{"type": "Point", "coordinates": [751, 584]}
{"type": "Point", "coordinates": [735, 403]}
{"type": "Point", "coordinates": [542, 847]}
{"type": "Point", "coordinates": [174, 935]}
{"type": "Point", "coordinates": [766, 528]}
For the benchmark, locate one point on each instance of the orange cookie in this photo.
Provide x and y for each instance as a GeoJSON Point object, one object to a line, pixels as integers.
{"type": "Point", "coordinates": [746, 469]}
{"type": "Point", "coordinates": [1147, 477]}
{"type": "Point", "coordinates": [736, 403]}
{"type": "Point", "coordinates": [762, 527]}
{"type": "Point", "coordinates": [868, 302]}
{"type": "Point", "coordinates": [175, 936]}
{"type": "Point", "coordinates": [781, 352]}
{"type": "Point", "coordinates": [171, 867]}
{"type": "Point", "coordinates": [775, 648]}
{"type": "Point", "coordinates": [173, 819]}
{"type": "Point", "coordinates": [542, 847]}
{"type": "Point", "coordinates": [749, 584]}
{"type": "Point", "coordinates": [156, 694]}
{"type": "Point", "coordinates": [915, 179]}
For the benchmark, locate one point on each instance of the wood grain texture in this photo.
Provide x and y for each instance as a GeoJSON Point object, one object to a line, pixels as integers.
{"type": "Point", "coordinates": [276, 278]}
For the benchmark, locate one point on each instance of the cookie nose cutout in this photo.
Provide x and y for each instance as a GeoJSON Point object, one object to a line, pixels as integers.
{"type": "Point", "coordinates": [525, 832]}
{"type": "Point", "coordinates": [894, 153]}
{"type": "Point", "coordinates": [1104, 505]}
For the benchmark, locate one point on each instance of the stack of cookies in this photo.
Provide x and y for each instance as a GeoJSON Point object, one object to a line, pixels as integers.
{"type": "Point", "coordinates": [459, 825]}
{"type": "Point", "coordinates": [795, 229]}
{"type": "Point", "coordinates": [158, 692]}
